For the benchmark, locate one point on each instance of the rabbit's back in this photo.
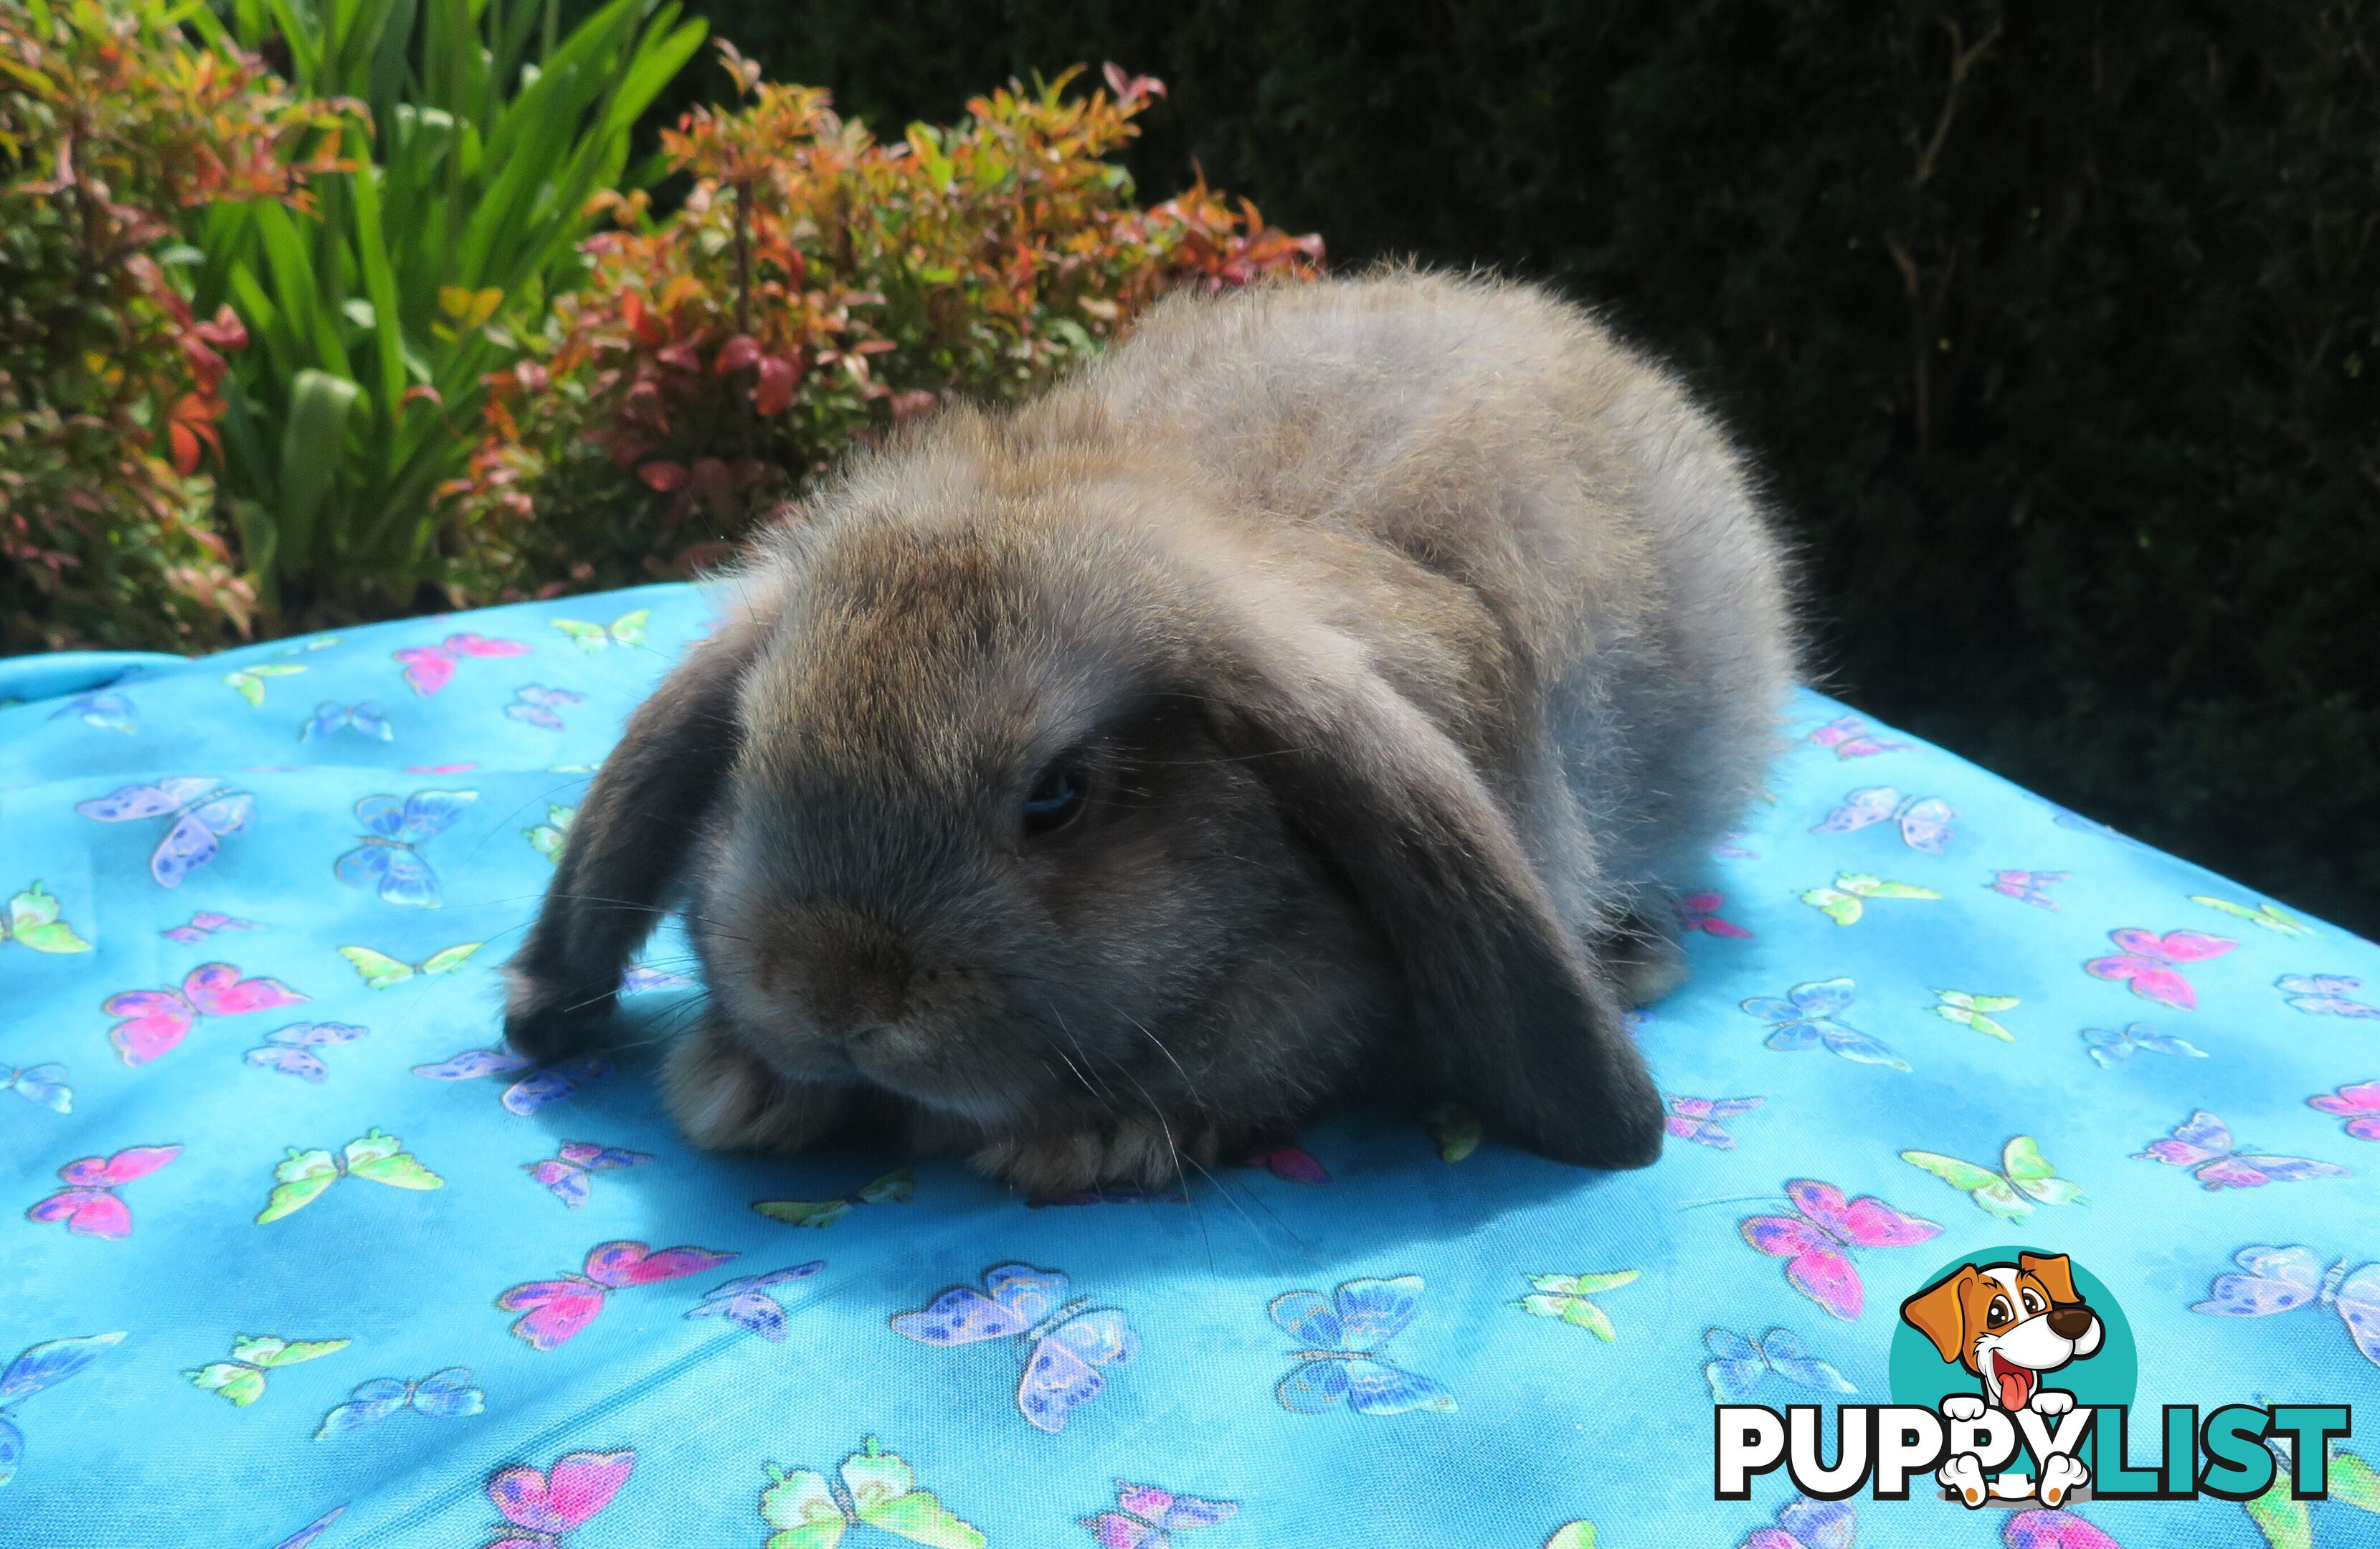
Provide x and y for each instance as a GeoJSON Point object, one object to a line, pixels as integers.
{"type": "Point", "coordinates": [1504, 441]}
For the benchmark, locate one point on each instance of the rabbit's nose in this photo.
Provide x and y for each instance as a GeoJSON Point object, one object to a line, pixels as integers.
{"type": "Point", "coordinates": [855, 970]}
{"type": "Point", "coordinates": [2071, 1321]}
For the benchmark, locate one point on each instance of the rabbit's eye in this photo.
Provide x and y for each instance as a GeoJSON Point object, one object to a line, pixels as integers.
{"type": "Point", "coordinates": [1056, 799]}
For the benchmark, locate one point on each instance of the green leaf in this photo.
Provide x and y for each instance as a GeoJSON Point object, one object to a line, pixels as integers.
{"type": "Point", "coordinates": [313, 449]}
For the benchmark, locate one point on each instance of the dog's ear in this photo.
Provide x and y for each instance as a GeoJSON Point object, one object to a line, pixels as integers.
{"type": "Point", "coordinates": [2055, 1271]}
{"type": "Point", "coordinates": [629, 847]}
{"type": "Point", "coordinates": [1514, 1017]}
{"type": "Point", "coordinates": [1939, 1313]}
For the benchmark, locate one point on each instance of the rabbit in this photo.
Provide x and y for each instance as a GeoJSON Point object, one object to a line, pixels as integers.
{"type": "Point", "coordinates": [1321, 697]}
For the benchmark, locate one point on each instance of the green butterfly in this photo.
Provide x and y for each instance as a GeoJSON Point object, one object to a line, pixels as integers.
{"type": "Point", "coordinates": [2009, 1194]}
{"type": "Point", "coordinates": [1973, 1011]}
{"type": "Point", "coordinates": [1845, 901]}
{"type": "Point", "coordinates": [307, 1173]}
{"type": "Point", "coordinates": [1572, 1535]}
{"type": "Point", "coordinates": [894, 1188]}
{"type": "Point", "coordinates": [250, 681]}
{"type": "Point", "coordinates": [548, 837]}
{"type": "Point", "coordinates": [1455, 1129]}
{"type": "Point", "coordinates": [381, 971]}
{"type": "Point", "coordinates": [812, 1512]}
{"type": "Point", "coordinates": [628, 629]}
{"type": "Point", "coordinates": [241, 1379]}
{"type": "Point", "coordinates": [1565, 1296]}
{"type": "Point", "coordinates": [2267, 915]}
{"type": "Point", "coordinates": [2283, 1519]}
{"type": "Point", "coordinates": [33, 920]}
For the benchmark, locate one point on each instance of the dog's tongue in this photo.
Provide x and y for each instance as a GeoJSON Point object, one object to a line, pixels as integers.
{"type": "Point", "coordinates": [2016, 1384]}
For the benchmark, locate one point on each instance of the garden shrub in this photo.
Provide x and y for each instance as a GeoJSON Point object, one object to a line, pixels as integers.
{"type": "Point", "coordinates": [112, 128]}
{"type": "Point", "coordinates": [814, 286]}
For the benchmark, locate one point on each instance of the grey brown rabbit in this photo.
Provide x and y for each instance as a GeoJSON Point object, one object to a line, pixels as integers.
{"type": "Point", "coordinates": [1321, 697]}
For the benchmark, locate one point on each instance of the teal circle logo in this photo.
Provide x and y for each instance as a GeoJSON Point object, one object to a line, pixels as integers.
{"type": "Point", "coordinates": [2106, 1378]}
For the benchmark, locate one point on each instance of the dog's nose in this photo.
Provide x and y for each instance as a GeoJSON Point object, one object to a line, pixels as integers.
{"type": "Point", "coordinates": [2071, 1321]}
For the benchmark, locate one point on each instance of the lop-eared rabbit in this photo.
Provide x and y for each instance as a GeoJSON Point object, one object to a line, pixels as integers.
{"type": "Point", "coordinates": [1321, 697]}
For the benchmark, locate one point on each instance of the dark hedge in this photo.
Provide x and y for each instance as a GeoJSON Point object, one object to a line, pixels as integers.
{"type": "Point", "coordinates": [2058, 325]}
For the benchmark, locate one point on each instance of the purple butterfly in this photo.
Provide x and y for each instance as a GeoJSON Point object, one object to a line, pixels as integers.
{"type": "Point", "coordinates": [566, 1174]}
{"type": "Point", "coordinates": [1803, 1523]}
{"type": "Point", "coordinates": [2203, 1142]}
{"type": "Point", "coordinates": [1697, 1118]}
{"type": "Point", "coordinates": [1147, 1517]}
{"type": "Point", "coordinates": [2027, 887]}
{"type": "Point", "coordinates": [2283, 1279]}
{"type": "Point", "coordinates": [529, 1093]}
{"type": "Point", "coordinates": [388, 860]}
{"type": "Point", "coordinates": [201, 815]}
{"type": "Point", "coordinates": [744, 1301]}
{"type": "Point", "coordinates": [637, 979]}
{"type": "Point", "coordinates": [541, 706]}
{"type": "Point", "coordinates": [203, 925]}
{"type": "Point", "coordinates": [1924, 822]}
{"type": "Point", "coordinates": [2324, 995]}
{"type": "Point", "coordinates": [1069, 1344]}
{"type": "Point", "coordinates": [290, 1050]}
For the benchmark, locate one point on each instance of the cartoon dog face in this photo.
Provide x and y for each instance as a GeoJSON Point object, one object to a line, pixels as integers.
{"type": "Point", "coordinates": [2008, 1323]}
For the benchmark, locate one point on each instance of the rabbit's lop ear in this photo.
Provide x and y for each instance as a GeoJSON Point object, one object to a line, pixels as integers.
{"type": "Point", "coordinates": [1519, 1023]}
{"type": "Point", "coordinates": [629, 847]}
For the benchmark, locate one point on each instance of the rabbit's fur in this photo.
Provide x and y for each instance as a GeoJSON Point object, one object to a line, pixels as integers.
{"type": "Point", "coordinates": [1408, 641]}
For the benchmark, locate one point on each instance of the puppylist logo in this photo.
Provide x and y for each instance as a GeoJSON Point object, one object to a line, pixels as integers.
{"type": "Point", "coordinates": [2013, 1375]}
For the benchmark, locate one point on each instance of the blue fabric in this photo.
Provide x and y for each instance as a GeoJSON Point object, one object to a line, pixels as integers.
{"type": "Point", "coordinates": [1239, 1336]}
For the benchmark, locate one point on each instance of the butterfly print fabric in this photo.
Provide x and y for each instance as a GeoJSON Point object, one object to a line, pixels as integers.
{"type": "Point", "coordinates": [300, 1255]}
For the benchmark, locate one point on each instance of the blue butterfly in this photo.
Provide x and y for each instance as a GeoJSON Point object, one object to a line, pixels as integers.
{"type": "Point", "coordinates": [440, 1396]}
{"type": "Point", "coordinates": [108, 711]}
{"type": "Point", "coordinates": [1737, 1364]}
{"type": "Point", "coordinates": [746, 1302]}
{"type": "Point", "coordinates": [1807, 1020]}
{"type": "Point", "coordinates": [366, 719]}
{"type": "Point", "coordinates": [1068, 1343]}
{"type": "Point", "coordinates": [388, 857]}
{"type": "Point", "coordinates": [1342, 1355]}
{"type": "Point", "coordinates": [41, 1366]}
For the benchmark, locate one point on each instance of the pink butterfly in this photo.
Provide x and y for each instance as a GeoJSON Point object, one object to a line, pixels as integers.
{"type": "Point", "coordinates": [1697, 1118]}
{"type": "Point", "coordinates": [556, 1310]}
{"type": "Point", "coordinates": [155, 1020]}
{"type": "Point", "coordinates": [1815, 1241]}
{"type": "Point", "coordinates": [547, 1504]}
{"type": "Point", "coordinates": [428, 668]}
{"type": "Point", "coordinates": [1147, 1517]}
{"type": "Point", "coordinates": [2027, 887]}
{"type": "Point", "coordinates": [1850, 738]}
{"type": "Point", "coordinates": [87, 1204]}
{"type": "Point", "coordinates": [1699, 911]}
{"type": "Point", "coordinates": [2203, 1143]}
{"type": "Point", "coordinates": [203, 925]}
{"type": "Point", "coordinates": [567, 1175]}
{"type": "Point", "coordinates": [1290, 1164]}
{"type": "Point", "coordinates": [2149, 961]}
{"type": "Point", "coordinates": [2358, 1105]}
